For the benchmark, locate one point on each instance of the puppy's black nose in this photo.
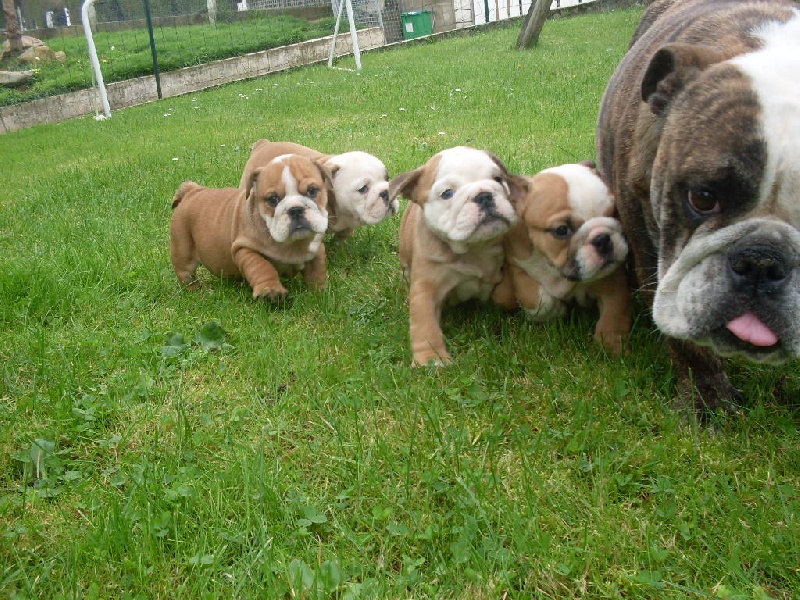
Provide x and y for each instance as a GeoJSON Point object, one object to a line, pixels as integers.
{"type": "Point", "coordinates": [485, 200]}
{"type": "Point", "coordinates": [761, 268]}
{"type": "Point", "coordinates": [385, 197]}
{"type": "Point", "coordinates": [603, 244]}
{"type": "Point", "coordinates": [296, 212]}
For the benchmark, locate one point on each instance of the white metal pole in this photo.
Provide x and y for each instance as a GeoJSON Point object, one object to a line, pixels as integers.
{"type": "Point", "coordinates": [354, 34]}
{"type": "Point", "coordinates": [335, 33]}
{"type": "Point", "coordinates": [93, 57]}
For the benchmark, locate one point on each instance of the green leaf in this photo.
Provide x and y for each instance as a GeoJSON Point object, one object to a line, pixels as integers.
{"type": "Point", "coordinates": [176, 344]}
{"type": "Point", "coordinates": [211, 337]}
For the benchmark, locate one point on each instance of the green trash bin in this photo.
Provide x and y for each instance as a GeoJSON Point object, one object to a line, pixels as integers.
{"type": "Point", "coordinates": [417, 23]}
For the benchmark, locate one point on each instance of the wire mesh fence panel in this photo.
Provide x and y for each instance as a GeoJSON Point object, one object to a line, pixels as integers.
{"type": "Point", "coordinates": [185, 33]}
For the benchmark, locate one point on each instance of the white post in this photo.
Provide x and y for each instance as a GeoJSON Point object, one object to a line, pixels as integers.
{"type": "Point", "coordinates": [98, 74]}
{"type": "Point", "coordinates": [335, 33]}
{"type": "Point", "coordinates": [354, 34]}
{"type": "Point", "coordinates": [212, 11]}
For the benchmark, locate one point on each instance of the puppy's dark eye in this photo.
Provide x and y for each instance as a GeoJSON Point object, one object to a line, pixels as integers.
{"type": "Point", "coordinates": [272, 200]}
{"type": "Point", "coordinates": [498, 179]}
{"type": "Point", "coordinates": [312, 191]}
{"type": "Point", "coordinates": [703, 202]}
{"type": "Point", "coordinates": [447, 194]}
{"type": "Point", "coordinates": [363, 189]}
{"type": "Point", "coordinates": [562, 232]}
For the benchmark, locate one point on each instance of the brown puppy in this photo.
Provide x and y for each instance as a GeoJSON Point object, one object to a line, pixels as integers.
{"type": "Point", "coordinates": [451, 238]}
{"type": "Point", "coordinates": [699, 139]}
{"type": "Point", "coordinates": [566, 248]}
{"type": "Point", "coordinates": [358, 193]}
{"type": "Point", "coordinates": [274, 226]}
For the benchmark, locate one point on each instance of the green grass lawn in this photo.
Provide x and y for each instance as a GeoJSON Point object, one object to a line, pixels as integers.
{"type": "Point", "coordinates": [160, 443]}
{"type": "Point", "coordinates": [126, 54]}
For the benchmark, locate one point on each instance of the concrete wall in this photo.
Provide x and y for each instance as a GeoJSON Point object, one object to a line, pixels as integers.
{"type": "Point", "coordinates": [190, 79]}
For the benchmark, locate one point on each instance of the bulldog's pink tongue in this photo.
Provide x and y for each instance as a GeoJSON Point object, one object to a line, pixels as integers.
{"type": "Point", "coordinates": [749, 328]}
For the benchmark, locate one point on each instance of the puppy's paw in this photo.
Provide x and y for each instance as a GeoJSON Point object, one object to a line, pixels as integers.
{"type": "Point", "coordinates": [271, 294]}
{"type": "Point", "coordinates": [613, 341]}
{"type": "Point", "coordinates": [430, 359]}
{"type": "Point", "coordinates": [549, 308]}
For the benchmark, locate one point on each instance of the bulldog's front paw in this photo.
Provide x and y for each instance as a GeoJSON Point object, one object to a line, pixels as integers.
{"type": "Point", "coordinates": [613, 340]}
{"type": "Point", "coordinates": [703, 384]}
{"type": "Point", "coordinates": [549, 308]}
{"type": "Point", "coordinates": [430, 359]}
{"type": "Point", "coordinates": [271, 294]}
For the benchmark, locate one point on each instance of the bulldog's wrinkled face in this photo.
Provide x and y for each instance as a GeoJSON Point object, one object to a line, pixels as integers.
{"type": "Point", "coordinates": [726, 195]}
{"type": "Point", "coordinates": [568, 212]}
{"type": "Point", "coordinates": [361, 188]}
{"type": "Point", "coordinates": [465, 196]}
{"type": "Point", "coordinates": [289, 194]}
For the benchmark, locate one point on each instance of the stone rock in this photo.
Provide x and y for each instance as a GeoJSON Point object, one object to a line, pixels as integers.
{"type": "Point", "coordinates": [12, 78]}
{"type": "Point", "coordinates": [27, 42]}
{"type": "Point", "coordinates": [39, 54]}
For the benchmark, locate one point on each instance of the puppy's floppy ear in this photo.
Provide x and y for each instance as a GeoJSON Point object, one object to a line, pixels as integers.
{"type": "Point", "coordinates": [518, 189]}
{"type": "Point", "coordinates": [327, 176]}
{"type": "Point", "coordinates": [331, 168]}
{"type": "Point", "coordinates": [252, 178]}
{"type": "Point", "coordinates": [671, 69]}
{"type": "Point", "coordinates": [405, 184]}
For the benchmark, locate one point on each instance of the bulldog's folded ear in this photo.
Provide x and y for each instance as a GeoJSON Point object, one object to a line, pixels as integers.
{"type": "Point", "coordinates": [405, 184]}
{"type": "Point", "coordinates": [671, 69]}
{"type": "Point", "coordinates": [518, 189]}
{"type": "Point", "coordinates": [327, 173]}
{"type": "Point", "coordinates": [251, 183]}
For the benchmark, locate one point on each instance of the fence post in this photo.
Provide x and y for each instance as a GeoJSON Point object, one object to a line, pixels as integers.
{"type": "Point", "coordinates": [156, 71]}
{"type": "Point", "coordinates": [95, 62]}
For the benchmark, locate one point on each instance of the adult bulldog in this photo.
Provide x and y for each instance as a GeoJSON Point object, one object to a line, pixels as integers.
{"type": "Point", "coordinates": [699, 138]}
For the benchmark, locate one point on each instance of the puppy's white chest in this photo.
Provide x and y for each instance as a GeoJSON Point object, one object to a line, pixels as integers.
{"type": "Point", "coordinates": [476, 276]}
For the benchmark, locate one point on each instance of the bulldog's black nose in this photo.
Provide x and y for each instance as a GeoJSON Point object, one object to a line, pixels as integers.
{"type": "Point", "coordinates": [759, 267]}
{"type": "Point", "coordinates": [485, 200]}
{"type": "Point", "coordinates": [603, 244]}
{"type": "Point", "coordinates": [296, 212]}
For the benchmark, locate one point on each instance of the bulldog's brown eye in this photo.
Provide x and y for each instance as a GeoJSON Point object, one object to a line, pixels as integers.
{"type": "Point", "coordinates": [272, 200]}
{"type": "Point", "coordinates": [363, 189]}
{"type": "Point", "coordinates": [561, 232]}
{"type": "Point", "coordinates": [498, 179]}
{"type": "Point", "coordinates": [703, 202]}
{"type": "Point", "coordinates": [312, 191]}
{"type": "Point", "coordinates": [447, 194]}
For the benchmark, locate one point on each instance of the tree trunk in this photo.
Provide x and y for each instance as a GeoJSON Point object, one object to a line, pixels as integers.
{"type": "Point", "coordinates": [12, 27]}
{"type": "Point", "coordinates": [534, 21]}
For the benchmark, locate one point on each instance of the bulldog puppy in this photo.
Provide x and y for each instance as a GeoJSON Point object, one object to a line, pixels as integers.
{"type": "Point", "coordinates": [451, 237]}
{"type": "Point", "coordinates": [699, 138]}
{"type": "Point", "coordinates": [275, 225]}
{"type": "Point", "coordinates": [359, 190]}
{"type": "Point", "coordinates": [568, 247]}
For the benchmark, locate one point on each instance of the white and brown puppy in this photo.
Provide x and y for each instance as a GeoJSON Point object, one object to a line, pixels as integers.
{"type": "Point", "coordinates": [274, 226]}
{"type": "Point", "coordinates": [451, 238]}
{"type": "Point", "coordinates": [359, 190]}
{"type": "Point", "coordinates": [699, 139]}
{"type": "Point", "coordinates": [568, 247]}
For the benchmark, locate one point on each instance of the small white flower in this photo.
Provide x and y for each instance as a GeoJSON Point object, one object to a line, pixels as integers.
{"type": "Point", "coordinates": [383, 116]}
{"type": "Point", "coordinates": [113, 47]}
{"type": "Point", "coordinates": [442, 133]}
{"type": "Point", "coordinates": [175, 158]}
{"type": "Point", "coordinates": [401, 108]}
